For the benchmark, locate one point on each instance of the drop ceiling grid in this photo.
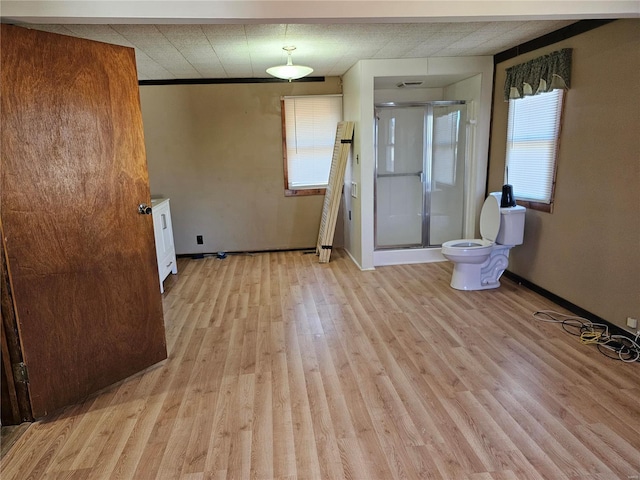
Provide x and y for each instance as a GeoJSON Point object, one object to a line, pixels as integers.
{"type": "Point", "coordinates": [165, 52]}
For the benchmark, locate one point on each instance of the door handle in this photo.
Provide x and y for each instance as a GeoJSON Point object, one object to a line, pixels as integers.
{"type": "Point", "coordinates": [144, 209]}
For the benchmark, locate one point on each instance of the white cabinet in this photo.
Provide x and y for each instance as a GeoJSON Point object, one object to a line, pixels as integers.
{"type": "Point", "coordinates": [163, 232]}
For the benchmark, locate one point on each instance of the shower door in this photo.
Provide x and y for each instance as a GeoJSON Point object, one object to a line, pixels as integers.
{"type": "Point", "coordinates": [420, 160]}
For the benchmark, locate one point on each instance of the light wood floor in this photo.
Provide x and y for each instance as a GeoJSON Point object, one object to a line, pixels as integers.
{"type": "Point", "coordinates": [283, 368]}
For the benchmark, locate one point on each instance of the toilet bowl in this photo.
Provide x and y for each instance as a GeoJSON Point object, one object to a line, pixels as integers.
{"type": "Point", "coordinates": [478, 264]}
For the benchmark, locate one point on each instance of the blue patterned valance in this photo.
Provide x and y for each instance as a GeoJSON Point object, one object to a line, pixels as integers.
{"type": "Point", "coordinates": [541, 74]}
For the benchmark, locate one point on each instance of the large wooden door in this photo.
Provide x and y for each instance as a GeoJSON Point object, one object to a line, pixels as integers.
{"type": "Point", "coordinates": [82, 259]}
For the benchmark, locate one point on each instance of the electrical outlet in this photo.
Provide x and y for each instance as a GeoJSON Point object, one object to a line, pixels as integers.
{"type": "Point", "coordinates": [632, 322]}
{"type": "Point", "coordinates": [199, 240]}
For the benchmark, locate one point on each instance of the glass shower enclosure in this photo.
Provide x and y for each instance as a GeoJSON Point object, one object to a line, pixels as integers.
{"type": "Point", "coordinates": [419, 174]}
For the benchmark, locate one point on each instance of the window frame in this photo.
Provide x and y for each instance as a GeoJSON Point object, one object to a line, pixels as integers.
{"type": "Point", "coordinates": [532, 204]}
{"type": "Point", "coordinates": [289, 192]}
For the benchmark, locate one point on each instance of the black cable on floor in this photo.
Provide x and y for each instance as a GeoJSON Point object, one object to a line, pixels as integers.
{"type": "Point", "coordinates": [616, 347]}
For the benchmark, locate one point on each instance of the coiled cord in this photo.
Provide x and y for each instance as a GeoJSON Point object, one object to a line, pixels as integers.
{"type": "Point", "coordinates": [617, 347]}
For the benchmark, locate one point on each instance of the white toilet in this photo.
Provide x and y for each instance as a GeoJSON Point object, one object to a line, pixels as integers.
{"type": "Point", "coordinates": [479, 264]}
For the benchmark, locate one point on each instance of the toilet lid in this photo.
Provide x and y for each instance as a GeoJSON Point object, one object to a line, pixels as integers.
{"type": "Point", "coordinates": [490, 219]}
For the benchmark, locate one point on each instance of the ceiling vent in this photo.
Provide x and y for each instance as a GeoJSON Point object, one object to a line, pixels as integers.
{"type": "Point", "coordinates": [413, 84]}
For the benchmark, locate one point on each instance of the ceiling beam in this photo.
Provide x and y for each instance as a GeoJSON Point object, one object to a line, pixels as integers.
{"type": "Point", "coordinates": [308, 11]}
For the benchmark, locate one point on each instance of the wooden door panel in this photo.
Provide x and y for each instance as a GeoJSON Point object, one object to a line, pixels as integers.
{"type": "Point", "coordinates": [73, 173]}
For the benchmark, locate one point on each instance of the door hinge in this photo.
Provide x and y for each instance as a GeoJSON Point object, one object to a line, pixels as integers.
{"type": "Point", "coordinates": [20, 373]}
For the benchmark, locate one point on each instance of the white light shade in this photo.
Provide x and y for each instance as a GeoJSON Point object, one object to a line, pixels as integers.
{"type": "Point", "coordinates": [289, 71]}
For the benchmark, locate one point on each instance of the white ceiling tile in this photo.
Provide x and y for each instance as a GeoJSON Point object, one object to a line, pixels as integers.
{"type": "Point", "coordinates": [312, 29]}
{"type": "Point", "coordinates": [212, 63]}
{"type": "Point", "coordinates": [185, 73]}
{"type": "Point", "coordinates": [268, 44]}
{"type": "Point", "coordinates": [265, 30]}
{"type": "Point", "coordinates": [156, 72]}
{"type": "Point", "coordinates": [91, 29]}
{"type": "Point", "coordinates": [392, 51]}
{"type": "Point", "coordinates": [138, 30]}
{"type": "Point", "coordinates": [235, 50]}
{"type": "Point", "coordinates": [180, 30]}
{"type": "Point", "coordinates": [233, 56]}
{"type": "Point", "coordinates": [223, 30]}
{"type": "Point", "coordinates": [196, 50]}
{"type": "Point", "coordinates": [230, 44]}
{"type": "Point", "coordinates": [144, 42]}
{"type": "Point", "coordinates": [237, 72]}
{"type": "Point", "coordinates": [187, 41]}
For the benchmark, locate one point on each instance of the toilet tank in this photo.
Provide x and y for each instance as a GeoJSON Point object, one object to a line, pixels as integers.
{"type": "Point", "coordinates": [511, 226]}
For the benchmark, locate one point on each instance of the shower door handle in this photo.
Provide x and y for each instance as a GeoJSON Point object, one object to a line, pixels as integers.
{"type": "Point", "coordinates": [388, 175]}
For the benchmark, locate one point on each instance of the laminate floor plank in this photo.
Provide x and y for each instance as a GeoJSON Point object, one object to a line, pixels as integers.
{"type": "Point", "coordinates": [283, 368]}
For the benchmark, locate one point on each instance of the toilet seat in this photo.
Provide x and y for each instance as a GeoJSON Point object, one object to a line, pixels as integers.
{"type": "Point", "coordinates": [467, 245]}
{"type": "Point", "coordinates": [490, 219]}
{"type": "Point", "coordinates": [489, 228]}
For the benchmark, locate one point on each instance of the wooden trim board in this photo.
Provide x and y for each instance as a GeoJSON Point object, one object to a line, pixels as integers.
{"type": "Point", "coordinates": [341, 149]}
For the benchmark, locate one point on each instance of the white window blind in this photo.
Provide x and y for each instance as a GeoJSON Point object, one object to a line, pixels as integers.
{"type": "Point", "coordinates": [532, 140]}
{"type": "Point", "coordinates": [311, 124]}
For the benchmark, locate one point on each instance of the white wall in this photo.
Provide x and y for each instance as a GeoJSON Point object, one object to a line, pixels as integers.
{"type": "Point", "coordinates": [351, 107]}
{"type": "Point", "coordinates": [470, 90]}
{"type": "Point", "coordinates": [358, 87]}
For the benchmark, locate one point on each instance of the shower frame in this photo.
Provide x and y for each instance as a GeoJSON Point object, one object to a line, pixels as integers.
{"type": "Point", "coordinates": [425, 176]}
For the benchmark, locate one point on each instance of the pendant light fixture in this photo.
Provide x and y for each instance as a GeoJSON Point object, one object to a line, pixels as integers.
{"type": "Point", "coordinates": [289, 71]}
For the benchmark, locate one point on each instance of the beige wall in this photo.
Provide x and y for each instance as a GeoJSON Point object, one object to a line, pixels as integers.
{"type": "Point", "coordinates": [588, 250]}
{"type": "Point", "coordinates": [216, 152]}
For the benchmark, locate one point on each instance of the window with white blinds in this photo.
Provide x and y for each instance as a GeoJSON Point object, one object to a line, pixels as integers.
{"type": "Point", "coordinates": [310, 133]}
{"type": "Point", "coordinates": [532, 141]}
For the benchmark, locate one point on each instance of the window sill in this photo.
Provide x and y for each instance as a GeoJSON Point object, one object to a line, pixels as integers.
{"type": "Point", "coordinates": [304, 192]}
{"type": "Point", "coordinates": [541, 207]}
